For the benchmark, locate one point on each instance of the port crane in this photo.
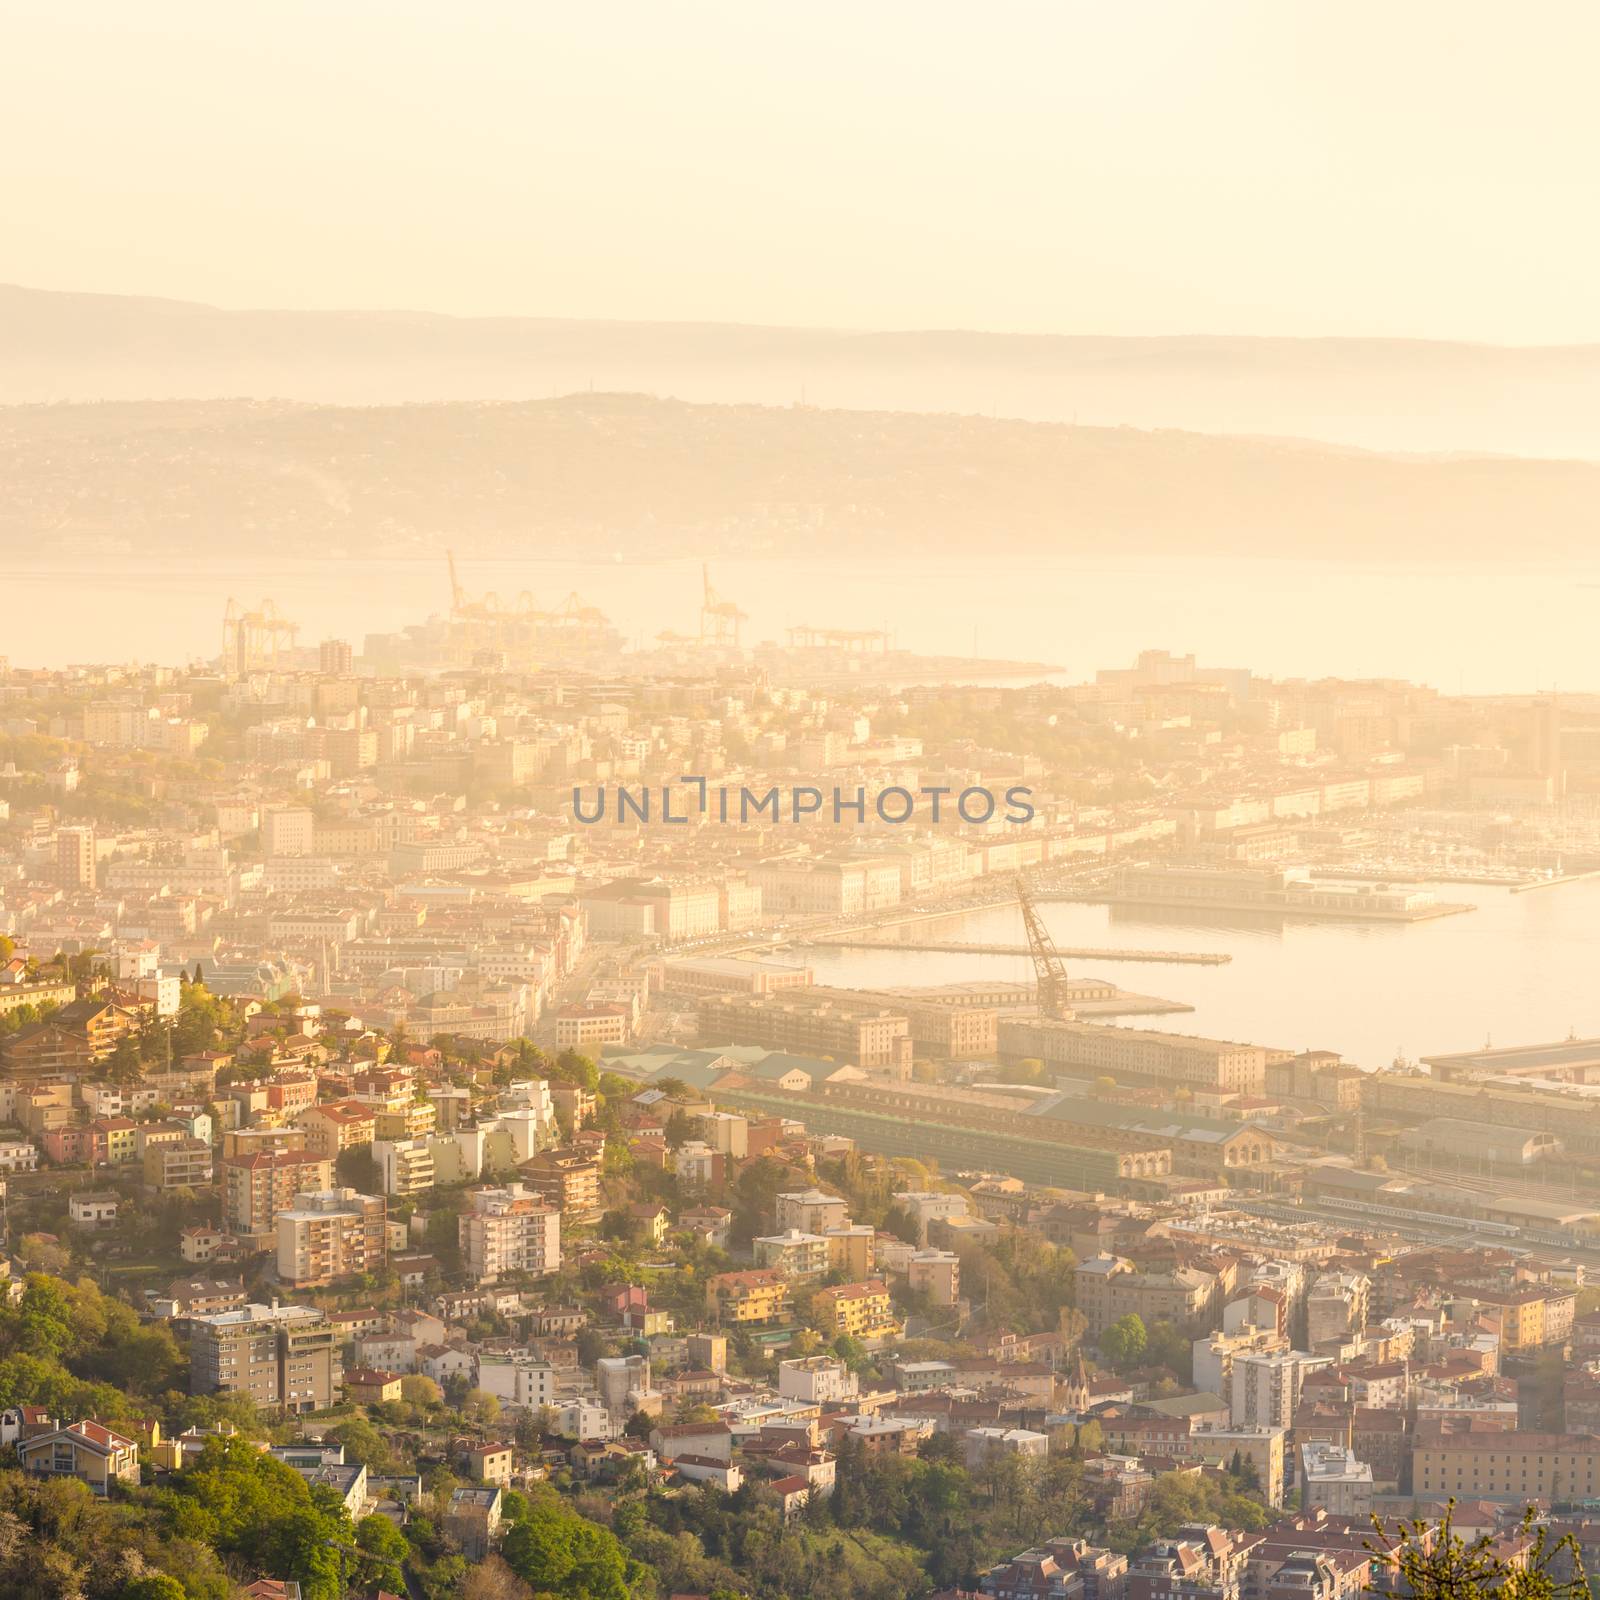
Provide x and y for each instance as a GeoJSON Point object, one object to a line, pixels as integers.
{"type": "Point", "coordinates": [523, 630]}
{"type": "Point", "coordinates": [871, 641]}
{"type": "Point", "coordinates": [254, 641]}
{"type": "Point", "coordinates": [1050, 971]}
{"type": "Point", "coordinates": [719, 618]}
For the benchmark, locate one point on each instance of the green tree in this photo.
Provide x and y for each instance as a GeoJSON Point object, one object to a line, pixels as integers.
{"type": "Point", "coordinates": [125, 1065]}
{"type": "Point", "coordinates": [563, 1554]}
{"type": "Point", "coordinates": [1123, 1343]}
{"type": "Point", "coordinates": [153, 1586]}
{"type": "Point", "coordinates": [385, 1549]}
{"type": "Point", "coordinates": [366, 1447]}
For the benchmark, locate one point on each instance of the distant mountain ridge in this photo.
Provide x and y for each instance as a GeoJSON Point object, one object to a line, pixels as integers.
{"type": "Point", "coordinates": [1389, 394]}
{"type": "Point", "coordinates": [630, 474]}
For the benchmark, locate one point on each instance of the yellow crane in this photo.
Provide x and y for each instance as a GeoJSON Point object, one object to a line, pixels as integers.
{"type": "Point", "coordinates": [719, 618]}
{"type": "Point", "coordinates": [254, 641]}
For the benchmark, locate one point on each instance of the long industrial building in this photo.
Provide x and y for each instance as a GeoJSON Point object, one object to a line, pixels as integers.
{"type": "Point", "coordinates": [809, 1022]}
{"type": "Point", "coordinates": [1169, 1059]}
{"type": "Point", "coordinates": [1037, 1154]}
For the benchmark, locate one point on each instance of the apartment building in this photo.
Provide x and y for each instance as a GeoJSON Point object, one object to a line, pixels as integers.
{"type": "Point", "coordinates": [1267, 1386]}
{"type": "Point", "coordinates": [817, 1380]}
{"type": "Point", "coordinates": [180, 1163]}
{"type": "Point", "coordinates": [1531, 1319]}
{"type": "Point", "coordinates": [1110, 1287]}
{"type": "Point", "coordinates": [801, 1023]}
{"type": "Point", "coordinates": [407, 1165]}
{"type": "Point", "coordinates": [330, 1234]}
{"type": "Point", "coordinates": [927, 1206]}
{"type": "Point", "coordinates": [794, 1254]}
{"type": "Point", "coordinates": [510, 1229]}
{"type": "Point", "coordinates": [285, 1358]}
{"type": "Point", "coordinates": [592, 1027]}
{"type": "Point", "coordinates": [1337, 1307]}
{"type": "Point", "coordinates": [936, 1274]}
{"type": "Point", "coordinates": [852, 1251]}
{"type": "Point", "coordinates": [1214, 1355]}
{"type": "Point", "coordinates": [567, 1180]}
{"type": "Point", "coordinates": [747, 1298]}
{"type": "Point", "coordinates": [400, 1116]}
{"type": "Point", "coordinates": [1517, 1467]}
{"type": "Point", "coordinates": [833, 888]}
{"type": "Point", "coordinates": [337, 1126]}
{"type": "Point", "coordinates": [862, 1310]}
{"type": "Point", "coordinates": [255, 1188]}
{"type": "Point", "coordinates": [1334, 1481]}
{"type": "Point", "coordinates": [811, 1211]}
{"type": "Point", "coordinates": [36, 993]}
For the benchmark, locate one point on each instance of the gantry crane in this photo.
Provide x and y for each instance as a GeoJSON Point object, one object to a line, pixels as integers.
{"type": "Point", "coordinates": [1050, 971]}
{"type": "Point", "coordinates": [868, 640]}
{"type": "Point", "coordinates": [719, 618]}
{"type": "Point", "coordinates": [523, 631]}
{"type": "Point", "coordinates": [254, 641]}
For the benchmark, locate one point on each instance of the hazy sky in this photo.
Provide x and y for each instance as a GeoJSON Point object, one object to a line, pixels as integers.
{"type": "Point", "coordinates": [1123, 166]}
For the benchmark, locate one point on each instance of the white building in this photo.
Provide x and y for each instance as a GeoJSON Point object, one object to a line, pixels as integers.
{"type": "Point", "coordinates": [517, 1380]}
{"type": "Point", "coordinates": [926, 1205]}
{"type": "Point", "coordinates": [620, 1380]}
{"type": "Point", "coordinates": [1332, 1479]}
{"type": "Point", "coordinates": [18, 1155]}
{"type": "Point", "coordinates": [406, 1164]}
{"type": "Point", "coordinates": [1266, 1387]}
{"type": "Point", "coordinates": [811, 1211]}
{"type": "Point", "coordinates": [509, 1230]}
{"type": "Point", "coordinates": [819, 1380]}
{"type": "Point", "coordinates": [983, 1444]}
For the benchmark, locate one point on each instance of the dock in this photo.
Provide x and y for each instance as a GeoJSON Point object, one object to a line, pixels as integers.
{"type": "Point", "coordinates": [1551, 883]}
{"type": "Point", "coordinates": [1190, 958]}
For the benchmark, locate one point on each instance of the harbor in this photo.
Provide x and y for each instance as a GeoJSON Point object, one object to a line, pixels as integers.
{"type": "Point", "coordinates": [1370, 990]}
{"type": "Point", "coordinates": [1204, 958]}
{"type": "Point", "coordinates": [1279, 891]}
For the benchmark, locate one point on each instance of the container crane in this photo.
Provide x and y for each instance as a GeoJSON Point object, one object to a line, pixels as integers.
{"type": "Point", "coordinates": [254, 641]}
{"type": "Point", "coordinates": [719, 618]}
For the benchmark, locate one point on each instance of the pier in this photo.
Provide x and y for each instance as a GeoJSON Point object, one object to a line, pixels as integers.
{"type": "Point", "coordinates": [1551, 883]}
{"type": "Point", "coordinates": [1191, 958]}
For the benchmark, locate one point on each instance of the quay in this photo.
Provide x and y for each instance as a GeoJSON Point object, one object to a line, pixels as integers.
{"type": "Point", "coordinates": [1550, 883]}
{"type": "Point", "coordinates": [1198, 958]}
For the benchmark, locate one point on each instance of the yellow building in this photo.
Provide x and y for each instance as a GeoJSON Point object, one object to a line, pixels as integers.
{"type": "Point", "coordinates": [747, 1297]}
{"type": "Point", "coordinates": [121, 1136]}
{"type": "Point", "coordinates": [1517, 1467]}
{"type": "Point", "coordinates": [404, 1119]}
{"type": "Point", "coordinates": [852, 1250]}
{"type": "Point", "coordinates": [88, 1451]}
{"type": "Point", "coordinates": [861, 1310]}
{"type": "Point", "coordinates": [1530, 1319]}
{"type": "Point", "coordinates": [337, 1126]}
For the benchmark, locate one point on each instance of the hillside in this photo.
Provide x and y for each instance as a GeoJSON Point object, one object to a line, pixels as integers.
{"type": "Point", "coordinates": [1389, 394]}
{"type": "Point", "coordinates": [631, 474]}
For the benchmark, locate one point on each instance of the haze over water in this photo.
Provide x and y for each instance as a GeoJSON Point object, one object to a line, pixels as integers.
{"type": "Point", "coordinates": [1465, 629]}
{"type": "Point", "coordinates": [1518, 970]}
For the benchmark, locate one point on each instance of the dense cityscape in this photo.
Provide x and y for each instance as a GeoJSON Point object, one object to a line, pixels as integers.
{"type": "Point", "coordinates": [416, 1186]}
{"type": "Point", "coordinates": [799, 802]}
